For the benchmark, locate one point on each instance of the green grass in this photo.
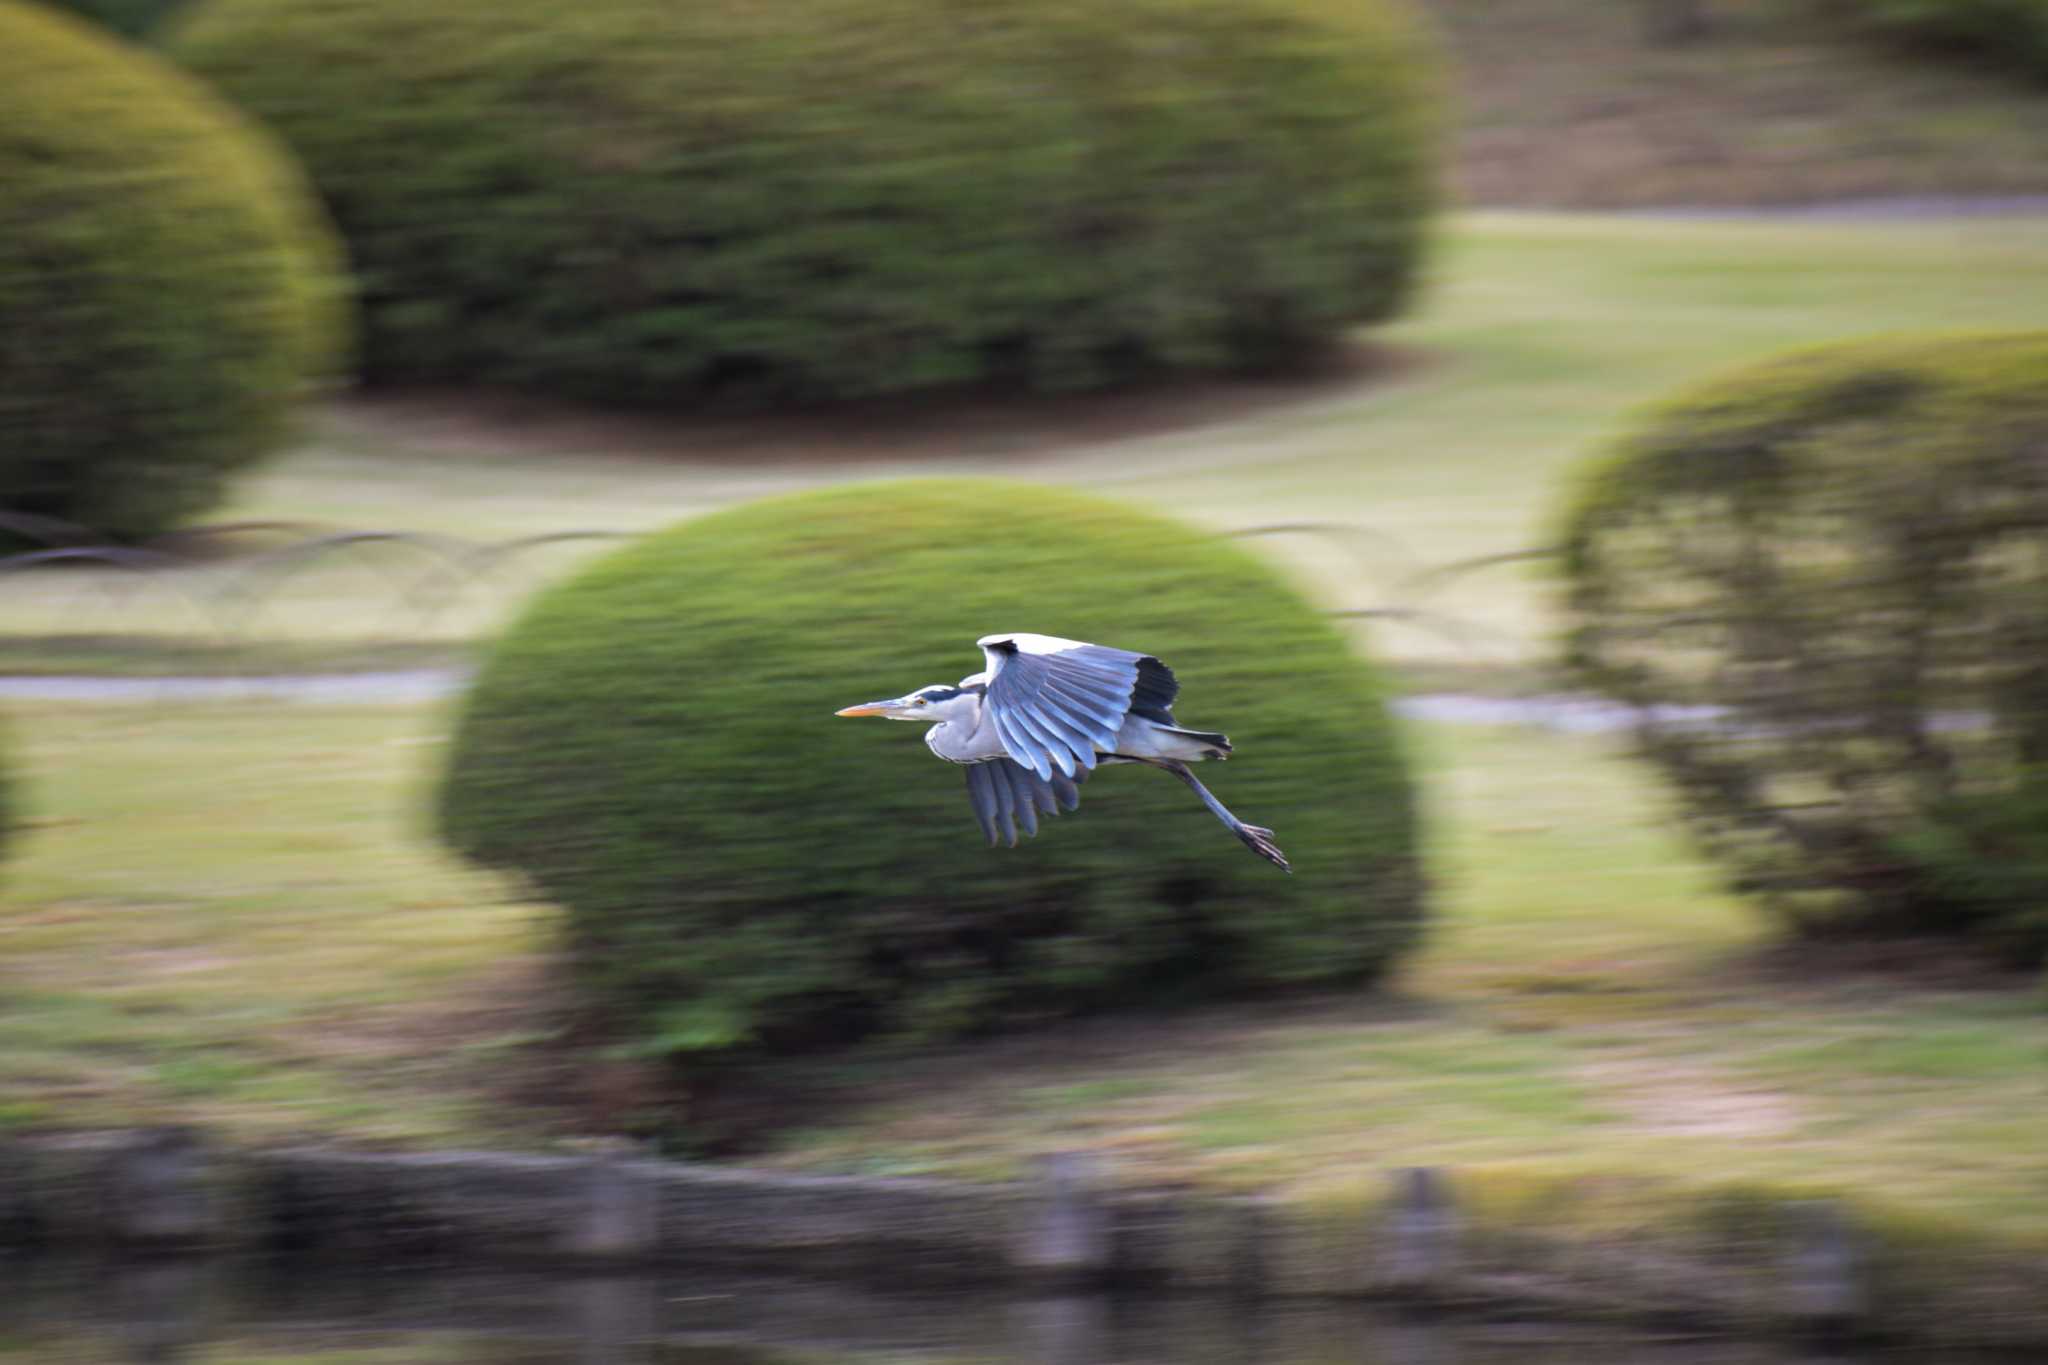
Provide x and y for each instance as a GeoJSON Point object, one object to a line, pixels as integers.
{"type": "Point", "coordinates": [1591, 1004]}
{"type": "Point", "coordinates": [1537, 334]}
{"type": "Point", "coordinates": [233, 915]}
{"type": "Point", "coordinates": [229, 914]}
{"type": "Point", "coordinates": [274, 948]}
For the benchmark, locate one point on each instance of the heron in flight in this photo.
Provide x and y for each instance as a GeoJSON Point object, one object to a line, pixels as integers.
{"type": "Point", "coordinates": [1031, 726]}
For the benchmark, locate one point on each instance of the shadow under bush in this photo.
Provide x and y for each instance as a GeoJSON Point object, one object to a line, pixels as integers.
{"type": "Point", "coordinates": [654, 747]}
{"type": "Point", "coordinates": [1825, 578]}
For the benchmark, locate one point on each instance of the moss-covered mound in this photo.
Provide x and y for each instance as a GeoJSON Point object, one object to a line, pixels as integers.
{"type": "Point", "coordinates": [654, 746]}
{"type": "Point", "coordinates": [1831, 571]}
{"type": "Point", "coordinates": [653, 201]}
{"type": "Point", "coordinates": [167, 286]}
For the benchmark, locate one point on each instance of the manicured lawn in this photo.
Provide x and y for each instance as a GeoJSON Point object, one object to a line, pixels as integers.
{"type": "Point", "coordinates": [233, 914]}
{"type": "Point", "coordinates": [229, 914]}
{"type": "Point", "coordinates": [1590, 1004]}
{"type": "Point", "coordinates": [1535, 338]}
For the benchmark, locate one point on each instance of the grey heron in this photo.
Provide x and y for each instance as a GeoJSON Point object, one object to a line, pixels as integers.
{"type": "Point", "coordinates": [1031, 726]}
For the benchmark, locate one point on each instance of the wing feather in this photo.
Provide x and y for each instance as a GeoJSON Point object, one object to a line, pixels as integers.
{"type": "Point", "coordinates": [1005, 794]}
{"type": "Point", "coordinates": [1057, 703]}
{"type": "Point", "coordinates": [1032, 747]}
{"type": "Point", "coordinates": [1070, 716]}
{"type": "Point", "coordinates": [981, 794]}
{"type": "Point", "coordinates": [1024, 787]}
{"type": "Point", "coordinates": [1043, 796]}
{"type": "Point", "coordinates": [1085, 697]}
{"type": "Point", "coordinates": [1033, 743]}
{"type": "Point", "coordinates": [1006, 807]}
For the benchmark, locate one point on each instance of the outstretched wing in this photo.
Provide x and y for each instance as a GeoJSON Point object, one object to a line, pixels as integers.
{"type": "Point", "coordinates": [1007, 794]}
{"type": "Point", "coordinates": [1055, 702]}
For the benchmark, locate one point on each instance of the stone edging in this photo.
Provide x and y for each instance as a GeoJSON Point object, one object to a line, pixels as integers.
{"type": "Point", "coordinates": [1749, 1264]}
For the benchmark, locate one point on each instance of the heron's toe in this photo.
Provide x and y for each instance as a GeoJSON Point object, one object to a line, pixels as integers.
{"type": "Point", "coordinates": [1260, 841]}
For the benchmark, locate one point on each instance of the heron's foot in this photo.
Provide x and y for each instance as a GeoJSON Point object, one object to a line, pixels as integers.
{"type": "Point", "coordinates": [1260, 841]}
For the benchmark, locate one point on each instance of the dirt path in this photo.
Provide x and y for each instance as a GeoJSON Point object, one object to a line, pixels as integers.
{"type": "Point", "coordinates": [1889, 209]}
{"type": "Point", "coordinates": [411, 687]}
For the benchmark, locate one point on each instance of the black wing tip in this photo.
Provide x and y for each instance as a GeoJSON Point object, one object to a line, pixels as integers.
{"type": "Point", "coordinates": [1002, 646]}
{"type": "Point", "coordinates": [1156, 689]}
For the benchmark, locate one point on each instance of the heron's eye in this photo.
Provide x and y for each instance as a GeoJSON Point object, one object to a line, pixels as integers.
{"type": "Point", "coordinates": [918, 701]}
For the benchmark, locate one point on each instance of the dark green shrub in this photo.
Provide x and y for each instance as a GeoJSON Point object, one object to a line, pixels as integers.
{"type": "Point", "coordinates": [167, 287]}
{"type": "Point", "coordinates": [653, 746]}
{"type": "Point", "coordinates": [132, 18]}
{"type": "Point", "coordinates": [2011, 32]}
{"type": "Point", "coordinates": [1844, 554]}
{"type": "Point", "coordinates": [657, 202]}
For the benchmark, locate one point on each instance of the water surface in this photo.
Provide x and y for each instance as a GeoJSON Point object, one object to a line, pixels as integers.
{"type": "Point", "coordinates": [221, 1313]}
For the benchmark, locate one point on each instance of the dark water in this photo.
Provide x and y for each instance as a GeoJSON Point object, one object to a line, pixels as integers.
{"type": "Point", "coordinates": [240, 1314]}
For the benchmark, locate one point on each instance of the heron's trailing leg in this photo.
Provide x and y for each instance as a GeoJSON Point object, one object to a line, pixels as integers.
{"type": "Point", "coordinates": [1259, 841]}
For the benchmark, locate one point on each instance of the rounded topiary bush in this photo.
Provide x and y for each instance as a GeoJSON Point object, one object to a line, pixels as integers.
{"type": "Point", "coordinates": [167, 284]}
{"type": "Point", "coordinates": [653, 746]}
{"type": "Point", "coordinates": [648, 201]}
{"type": "Point", "coordinates": [1828, 574]}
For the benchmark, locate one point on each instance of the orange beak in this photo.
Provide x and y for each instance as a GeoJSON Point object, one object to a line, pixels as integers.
{"type": "Point", "coordinates": [872, 708]}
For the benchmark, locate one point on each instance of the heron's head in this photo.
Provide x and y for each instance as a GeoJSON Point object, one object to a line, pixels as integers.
{"type": "Point", "coordinates": [932, 705]}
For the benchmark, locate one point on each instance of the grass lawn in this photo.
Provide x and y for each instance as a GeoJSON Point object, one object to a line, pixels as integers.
{"type": "Point", "coordinates": [1535, 338]}
{"type": "Point", "coordinates": [231, 914]}
{"type": "Point", "coordinates": [1589, 1004]}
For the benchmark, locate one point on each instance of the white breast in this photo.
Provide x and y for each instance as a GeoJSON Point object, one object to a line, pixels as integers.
{"type": "Point", "coordinates": [965, 741]}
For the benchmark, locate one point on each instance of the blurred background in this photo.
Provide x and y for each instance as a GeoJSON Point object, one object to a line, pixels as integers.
{"type": "Point", "coordinates": [1591, 455]}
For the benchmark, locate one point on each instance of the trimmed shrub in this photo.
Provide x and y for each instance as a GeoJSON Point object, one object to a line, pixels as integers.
{"type": "Point", "coordinates": [167, 286]}
{"type": "Point", "coordinates": [1842, 555]}
{"type": "Point", "coordinates": [653, 745]}
{"type": "Point", "coordinates": [664, 203]}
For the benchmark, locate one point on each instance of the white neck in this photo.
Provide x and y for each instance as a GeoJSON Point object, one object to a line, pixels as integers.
{"type": "Point", "coordinates": [960, 736]}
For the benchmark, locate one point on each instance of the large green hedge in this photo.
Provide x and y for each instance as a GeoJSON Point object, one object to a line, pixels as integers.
{"type": "Point", "coordinates": [654, 201]}
{"type": "Point", "coordinates": [653, 745]}
{"type": "Point", "coordinates": [1825, 578]}
{"type": "Point", "coordinates": [167, 284]}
